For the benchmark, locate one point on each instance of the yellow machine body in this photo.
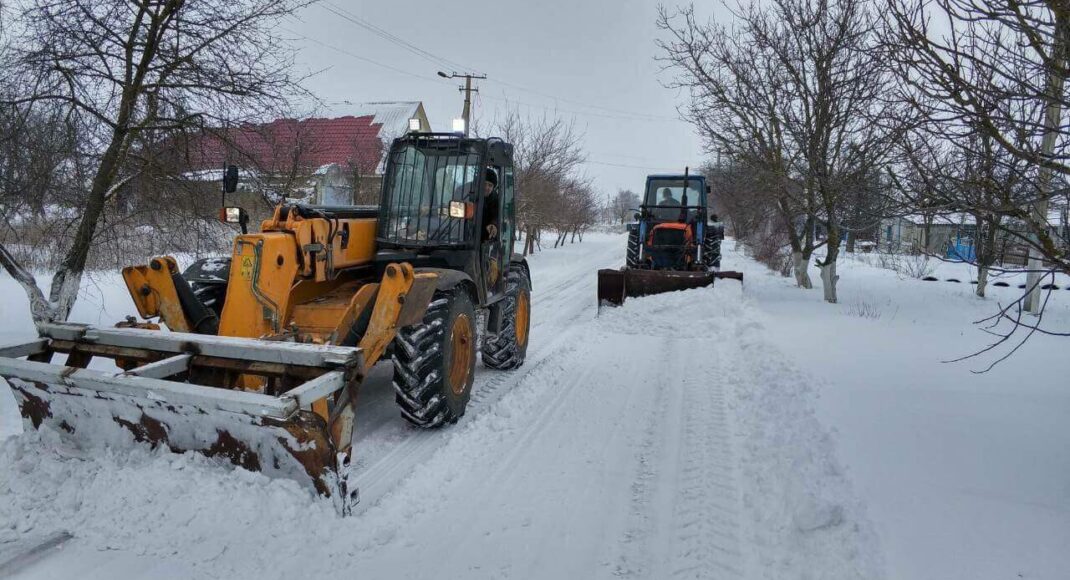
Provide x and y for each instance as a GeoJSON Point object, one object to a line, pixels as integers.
{"type": "Point", "coordinates": [302, 283]}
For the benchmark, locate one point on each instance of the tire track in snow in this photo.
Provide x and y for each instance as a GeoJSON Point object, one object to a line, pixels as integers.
{"type": "Point", "coordinates": [683, 516]}
{"type": "Point", "coordinates": [635, 559]}
{"type": "Point", "coordinates": [555, 311]}
{"type": "Point", "coordinates": [570, 443]}
{"type": "Point", "coordinates": [706, 510]}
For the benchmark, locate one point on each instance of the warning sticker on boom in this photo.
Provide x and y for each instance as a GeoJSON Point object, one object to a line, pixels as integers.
{"type": "Point", "coordinates": [246, 267]}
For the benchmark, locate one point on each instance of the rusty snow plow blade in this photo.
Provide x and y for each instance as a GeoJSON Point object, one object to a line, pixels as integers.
{"type": "Point", "coordinates": [159, 399]}
{"type": "Point", "coordinates": [616, 285]}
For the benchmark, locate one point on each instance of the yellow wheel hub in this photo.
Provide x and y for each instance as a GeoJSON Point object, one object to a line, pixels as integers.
{"type": "Point", "coordinates": [523, 316]}
{"type": "Point", "coordinates": [461, 338]}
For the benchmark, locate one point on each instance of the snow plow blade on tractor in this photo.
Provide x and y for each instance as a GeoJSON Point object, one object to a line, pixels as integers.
{"type": "Point", "coordinates": [614, 286]}
{"type": "Point", "coordinates": [264, 350]}
{"type": "Point", "coordinates": [674, 244]}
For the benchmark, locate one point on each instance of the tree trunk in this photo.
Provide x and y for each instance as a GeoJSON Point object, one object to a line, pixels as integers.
{"type": "Point", "coordinates": [985, 250]}
{"type": "Point", "coordinates": [68, 278]}
{"type": "Point", "coordinates": [828, 265]}
{"type": "Point", "coordinates": [828, 280]}
{"type": "Point", "coordinates": [851, 242]}
{"type": "Point", "coordinates": [801, 266]}
{"type": "Point", "coordinates": [982, 280]}
{"type": "Point", "coordinates": [529, 241]}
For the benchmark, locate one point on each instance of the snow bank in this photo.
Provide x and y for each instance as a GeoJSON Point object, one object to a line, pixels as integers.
{"type": "Point", "coordinates": [965, 476]}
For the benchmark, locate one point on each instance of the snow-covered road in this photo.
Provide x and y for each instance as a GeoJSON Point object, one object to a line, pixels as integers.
{"type": "Point", "coordinates": [663, 439]}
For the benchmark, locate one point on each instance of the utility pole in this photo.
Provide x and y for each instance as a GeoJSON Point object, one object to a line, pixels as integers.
{"type": "Point", "coordinates": [467, 89]}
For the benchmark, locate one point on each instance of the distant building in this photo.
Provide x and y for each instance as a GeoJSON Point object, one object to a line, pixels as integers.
{"type": "Point", "coordinates": [333, 161]}
{"type": "Point", "coordinates": [951, 235]}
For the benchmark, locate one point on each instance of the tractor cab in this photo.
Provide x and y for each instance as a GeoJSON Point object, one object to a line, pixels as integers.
{"type": "Point", "coordinates": [671, 198]}
{"type": "Point", "coordinates": [449, 201]}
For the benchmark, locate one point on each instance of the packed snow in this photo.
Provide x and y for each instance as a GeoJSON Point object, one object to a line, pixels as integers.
{"type": "Point", "coordinates": [713, 433]}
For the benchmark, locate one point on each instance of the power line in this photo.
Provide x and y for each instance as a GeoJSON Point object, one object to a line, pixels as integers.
{"type": "Point", "coordinates": [440, 61]}
{"type": "Point", "coordinates": [575, 112]}
{"type": "Point", "coordinates": [362, 58]}
{"type": "Point", "coordinates": [389, 37]}
{"type": "Point", "coordinates": [625, 166]}
{"type": "Point", "coordinates": [648, 116]}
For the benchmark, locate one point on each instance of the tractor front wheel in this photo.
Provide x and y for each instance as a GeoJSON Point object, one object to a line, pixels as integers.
{"type": "Point", "coordinates": [434, 361]}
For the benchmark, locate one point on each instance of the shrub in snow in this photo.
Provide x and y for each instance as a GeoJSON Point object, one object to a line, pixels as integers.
{"type": "Point", "coordinates": [864, 309]}
{"type": "Point", "coordinates": [917, 266]}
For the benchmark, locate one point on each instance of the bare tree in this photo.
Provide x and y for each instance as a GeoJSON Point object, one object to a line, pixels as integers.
{"type": "Point", "coordinates": [737, 94]}
{"type": "Point", "coordinates": [991, 75]}
{"type": "Point", "coordinates": [362, 168]}
{"type": "Point", "coordinates": [796, 89]}
{"type": "Point", "coordinates": [547, 153]}
{"type": "Point", "coordinates": [746, 198]}
{"type": "Point", "coordinates": [987, 82]}
{"type": "Point", "coordinates": [624, 204]}
{"type": "Point", "coordinates": [128, 74]}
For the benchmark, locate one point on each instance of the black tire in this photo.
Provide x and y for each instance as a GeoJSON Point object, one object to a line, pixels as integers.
{"type": "Point", "coordinates": [711, 249]}
{"type": "Point", "coordinates": [633, 248]}
{"type": "Point", "coordinates": [208, 278]}
{"type": "Point", "coordinates": [509, 347]}
{"type": "Point", "coordinates": [423, 357]}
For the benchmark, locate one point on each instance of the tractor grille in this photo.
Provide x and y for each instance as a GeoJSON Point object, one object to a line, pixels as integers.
{"type": "Point", "coordinates": [668, 237]}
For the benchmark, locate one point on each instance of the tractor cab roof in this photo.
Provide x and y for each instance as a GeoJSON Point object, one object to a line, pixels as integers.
{"type": "Point", "coordinates": [498, 151]}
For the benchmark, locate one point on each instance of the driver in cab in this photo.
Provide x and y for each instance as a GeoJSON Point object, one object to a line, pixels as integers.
{"type": "Point", "coordinates": [490, 205]}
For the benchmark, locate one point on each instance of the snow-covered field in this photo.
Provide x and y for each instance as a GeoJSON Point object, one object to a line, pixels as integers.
{"type": "Point", "coordinates": [711, 433]}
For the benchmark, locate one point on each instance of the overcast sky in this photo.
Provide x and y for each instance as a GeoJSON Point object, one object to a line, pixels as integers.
{"type": "Point", "coordinates": [587, 60]}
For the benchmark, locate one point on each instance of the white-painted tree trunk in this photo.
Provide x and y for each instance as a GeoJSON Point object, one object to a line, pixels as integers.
{"type": "Point", "coordinates": [982, 281]}
{"type": "Point", "coordinates": [828, 281]}
{"type": "Point", "coordinates": [801, 265]}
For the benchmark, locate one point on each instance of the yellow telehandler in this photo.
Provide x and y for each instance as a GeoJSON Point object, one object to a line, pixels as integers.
{"type": "Point", "coordinates": [264, 351]}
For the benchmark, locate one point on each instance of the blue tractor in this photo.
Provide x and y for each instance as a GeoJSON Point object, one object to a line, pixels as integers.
{"type": "Point", "coordinates": [674, 244]}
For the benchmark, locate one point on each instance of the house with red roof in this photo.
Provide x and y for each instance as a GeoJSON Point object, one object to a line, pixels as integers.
{"type": "Point", "coordinates": [335, 161]}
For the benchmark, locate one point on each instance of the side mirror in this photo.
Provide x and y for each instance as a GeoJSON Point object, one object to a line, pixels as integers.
{"type": "Point", "coordinates": [713, 218]}
{"type": "Point", "coordinates": [230, 179]}
{"type": "Point", "coordinates": [708, 190]}
{"type": "Point", "coordinates": [638, 216]}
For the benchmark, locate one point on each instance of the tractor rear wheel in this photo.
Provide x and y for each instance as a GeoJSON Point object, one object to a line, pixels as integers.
{"type": "Point", "coordinates": [633, 249]}
{"type": "Point", "coordinates": [434, 361]}
{"type": "Point", "coordinates": [509, 347]}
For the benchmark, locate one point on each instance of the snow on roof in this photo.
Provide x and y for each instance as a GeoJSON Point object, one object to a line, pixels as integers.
{"type": "Point", "coordinates": [942, 218]}
{"type": "Point", "coordinates": [1057, 216]}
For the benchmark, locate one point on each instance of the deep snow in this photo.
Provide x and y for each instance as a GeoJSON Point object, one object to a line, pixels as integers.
{"type": "Point", "coordinates": [638, 443]}
{"type": "Point", "coordinates": [632, 444]}
{"type": "Point", "coordinates": [966, 476]}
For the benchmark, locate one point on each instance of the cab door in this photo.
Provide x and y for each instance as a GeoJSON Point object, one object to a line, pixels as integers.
{"type": "Point", "coordinates": [493, 251]}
